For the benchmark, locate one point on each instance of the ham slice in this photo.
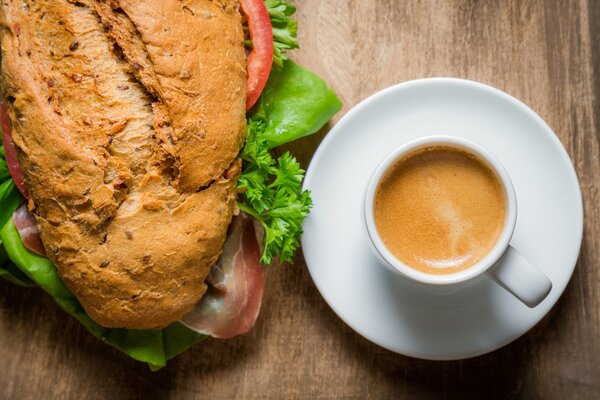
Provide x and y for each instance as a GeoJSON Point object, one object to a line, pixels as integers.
{"type": "Point", "coordinates": [28, 231]}
{"type": "Point", "coordinates": [232, 302]}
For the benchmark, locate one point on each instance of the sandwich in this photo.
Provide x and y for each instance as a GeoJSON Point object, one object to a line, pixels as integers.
{"type": "Point", "coordinates": [137, 182]}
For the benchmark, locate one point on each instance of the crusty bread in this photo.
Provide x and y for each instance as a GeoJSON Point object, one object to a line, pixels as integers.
{"type": "Point", "coordinates": [128, 117]}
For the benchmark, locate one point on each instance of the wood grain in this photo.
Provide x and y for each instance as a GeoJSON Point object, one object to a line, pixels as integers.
{"type": "Point", "coordinates": [545, 53]}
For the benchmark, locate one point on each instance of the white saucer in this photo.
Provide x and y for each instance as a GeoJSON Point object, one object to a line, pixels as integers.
{"type": "Point", "coordinates": [406, 317]}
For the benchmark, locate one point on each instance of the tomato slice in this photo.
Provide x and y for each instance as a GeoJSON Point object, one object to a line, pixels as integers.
{"type": "Point", "coordinates": [260, 58]}
{"type": "Point", "coordinates": [9, 151]}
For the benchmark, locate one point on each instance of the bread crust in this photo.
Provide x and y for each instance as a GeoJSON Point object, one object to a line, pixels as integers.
{"type": "Point", "coordinates": [128, 117]}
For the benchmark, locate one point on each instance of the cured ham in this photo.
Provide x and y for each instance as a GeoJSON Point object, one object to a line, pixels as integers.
{"type": "Point", "coordinates": [232, 302]}
{"type": "Point", "coordinates": [28, 231]}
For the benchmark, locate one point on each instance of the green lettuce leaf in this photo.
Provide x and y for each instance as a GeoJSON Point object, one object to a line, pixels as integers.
{"type": "Point", "coordinates": [294, 103]}
{"type": "Point", "coordinates": [154, 347]}
{"type": "Point", "coordinates": [4, 174]}
{"type": "Point", "coordinates": [11, 273]}
{"type": "Point", "coordinates": [10, 199]}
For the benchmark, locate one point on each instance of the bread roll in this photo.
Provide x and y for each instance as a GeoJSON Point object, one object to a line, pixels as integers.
{"type": "Point", "coordinates": [128, 117]}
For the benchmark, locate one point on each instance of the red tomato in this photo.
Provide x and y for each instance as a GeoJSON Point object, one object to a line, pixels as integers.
{"type": "Point", "coordinates": [10, 152]}
{"type": "Point", "coordinates": [260, 59]}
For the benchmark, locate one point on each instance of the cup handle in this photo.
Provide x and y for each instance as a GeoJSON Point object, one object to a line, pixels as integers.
{"type": "Point", "coordinates": [517, 275]}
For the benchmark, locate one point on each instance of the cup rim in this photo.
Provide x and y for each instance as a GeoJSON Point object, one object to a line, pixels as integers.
{"type": "Point", "coordinates": [456, 277]}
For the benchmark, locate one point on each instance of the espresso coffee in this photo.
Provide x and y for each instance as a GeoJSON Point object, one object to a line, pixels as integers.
{"type": "Point", "coordinates": [440, 209]}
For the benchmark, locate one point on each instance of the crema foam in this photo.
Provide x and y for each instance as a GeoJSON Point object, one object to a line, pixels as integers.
{"type": "Point", "coordinates": [440, 209]}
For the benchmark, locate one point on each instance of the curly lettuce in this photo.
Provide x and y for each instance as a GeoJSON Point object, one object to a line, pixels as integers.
{"type": "Point", "coordinates": [284, 29]}
{"type": "Point", "coordinates": [271, 191]}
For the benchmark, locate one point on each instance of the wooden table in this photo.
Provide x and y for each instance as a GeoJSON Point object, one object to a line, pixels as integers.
{"type": "Point", "coordinates": [545, 53]}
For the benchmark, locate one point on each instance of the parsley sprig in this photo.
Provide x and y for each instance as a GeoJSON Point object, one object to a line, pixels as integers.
{"type": "Point", "coordinates": [271, 191]}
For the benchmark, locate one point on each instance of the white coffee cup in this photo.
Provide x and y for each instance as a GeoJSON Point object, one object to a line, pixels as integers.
{"type": "Point", "coordinates": [502, 263]}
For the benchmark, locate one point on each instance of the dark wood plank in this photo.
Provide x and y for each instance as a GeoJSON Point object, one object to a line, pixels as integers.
{"type": "Point", "coordinates": [545, 53]}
